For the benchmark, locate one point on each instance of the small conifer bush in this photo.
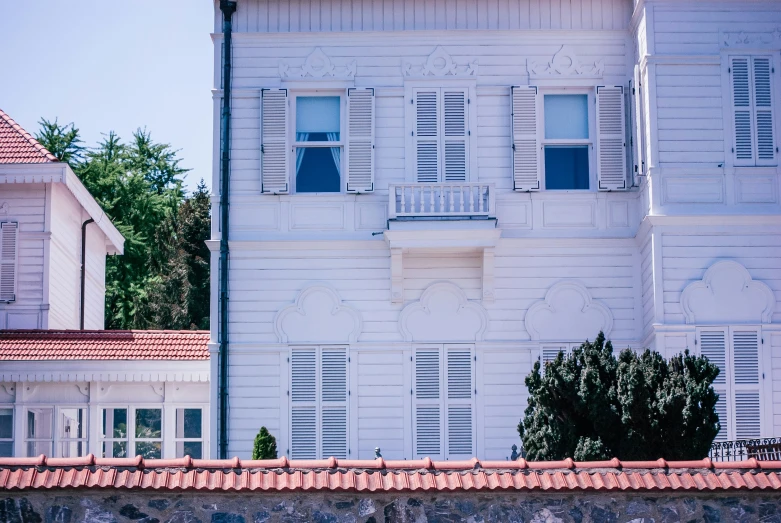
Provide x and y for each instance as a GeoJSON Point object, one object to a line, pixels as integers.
{"type": "Point", "coordinates": [265, 446]}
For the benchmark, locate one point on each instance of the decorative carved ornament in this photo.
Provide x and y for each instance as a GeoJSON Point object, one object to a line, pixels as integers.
{"type": "Point", "coordinates": [318, 315]}
{"type": "Point", "coordinates": [443, 314]}
{"type": "Point", "coordinates": [4, 209]}
{"type": "Point", "coordinates": [751, 39]}
{"type": "Point", "coordinates": [568, 313]}
{"type": "Point", "coordinates": [318, 66]}
{"type": "Point", "coordinates": [727, 294]}
{"type": "Point", "coordinates": [439, 64]}
{"type": "Point", "coordinates": [565, 63]}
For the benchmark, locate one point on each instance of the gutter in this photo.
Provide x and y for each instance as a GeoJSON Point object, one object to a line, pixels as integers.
{"type": "Point", "coordinates": [228, 8]}
{"type": "Point", "coordinates": [83, 269]}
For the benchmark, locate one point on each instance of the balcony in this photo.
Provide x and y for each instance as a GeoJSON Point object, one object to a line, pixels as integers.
{"type": "Point", "coordinates": [442, 201]}
{"type": "Point", "coordinates": [761, 449]}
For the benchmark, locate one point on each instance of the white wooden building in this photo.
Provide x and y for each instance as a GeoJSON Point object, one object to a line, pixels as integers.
{"type": "Point", "coordinates": [426, 196]}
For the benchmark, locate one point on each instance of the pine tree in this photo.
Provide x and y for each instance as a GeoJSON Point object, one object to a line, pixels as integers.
{"type": "Point", "coordinates": [62, 141]}
{"type": "Point", "coordinates": [265, 446]}
{"type": "Point", "coordinates": [591, 405]}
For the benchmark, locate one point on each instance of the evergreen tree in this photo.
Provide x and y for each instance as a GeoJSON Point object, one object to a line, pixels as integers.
{"type": "Point", "coordinates": [61, 140]}
{"type": "Point", "coordinates": [591, 405]}
{"type": "Point", "coordinates": [265, 446]}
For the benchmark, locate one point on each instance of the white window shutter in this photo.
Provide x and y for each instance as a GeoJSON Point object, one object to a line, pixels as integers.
{"type": "Point", "coordinates": [550, 352]}
{"type": "Point", "coordinates": [427, 397]}
{"type": "Point", "coordinates": [746, 372]}
{"type": "Point", "coordinates": [455, 124]}
{"type": "Point", "coordinates": [636, 113]}
{"type": "Point", "coordinates": [274, 141]}
{"type": "Point", "coordinates": [426, 135]}
{"type": "Point", "coordinates": [763, 107]}
{"type": "Point", "coordinates": [611, 141]}
{"type": "Point", "coordinates": [526, 140]}
{"type": "Point", "coordinates": [742, 109]}
{"type": "Point", "coordinates": [360, 140]}
{"type": "Point", "coordinates": [713, 345]}
{"type": "Point", "coordinates": [9, 250]}
{"type": "Point", "coordinates": [334, 402]}
{"type": "Point", "coordinates": [460, 403]}
{"type": "Point", "coordinates": [303, 399]}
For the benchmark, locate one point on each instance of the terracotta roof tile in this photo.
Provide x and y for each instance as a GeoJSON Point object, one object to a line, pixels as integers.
{"type": "Point", "coordinates": [18, 146]}
{"type": "Point", "coordinates": [48, 345]}
{"type": "Point", "coordinates": [376, 475]}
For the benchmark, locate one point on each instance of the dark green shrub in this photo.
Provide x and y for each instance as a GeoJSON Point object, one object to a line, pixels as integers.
{"type": "Point", "coordinates": [265, 446]}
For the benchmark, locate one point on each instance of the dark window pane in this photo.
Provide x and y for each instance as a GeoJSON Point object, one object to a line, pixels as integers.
{"type": "Point", "coordinates": [566, 167]}
{"type": "Point", "coordinates": [149, 449]}
{"type": "Point", "coordinates": [72, 449]}
{"type": "Point", "coordinates": [188, 423]}
{"type": "Point", "coordinates": [194, 449]}
{"type": "Point", "coordinates": [6, 423]}
{"type": "Point", "coordinates": [114, 449]}
{"type": "Point", "coordinates": [6, 449]}
{"type": "Point", "coordinates": [148, 423]}
{"type": "Point", "coordinates": [115, 423]}
{"type": "Point", "coordinates": [317, 170]}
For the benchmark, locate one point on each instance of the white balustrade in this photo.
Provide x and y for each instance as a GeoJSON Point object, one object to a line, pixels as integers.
{"type": "Point", "coordinates": [441, 200]}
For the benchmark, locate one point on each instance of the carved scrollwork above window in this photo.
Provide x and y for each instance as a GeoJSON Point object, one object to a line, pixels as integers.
{"type": "Point", "coordinates": [565, 63]}
{"type": "Point", "coordinates": [737, 39]}
{"type": "Point", "coordinates": [439, 64]}
{"type": "Point", "coordinates": [318, 65]}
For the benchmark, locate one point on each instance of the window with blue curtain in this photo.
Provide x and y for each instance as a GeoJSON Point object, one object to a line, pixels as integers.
{"type": "Point", "coordinates": [566, 141]}
{"type": "Point", "coordinates": [318, 144]}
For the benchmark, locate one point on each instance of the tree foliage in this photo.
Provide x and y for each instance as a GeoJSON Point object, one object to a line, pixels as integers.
{"type": "Point", "coordinates": [139, 186]}
{"type": "Point", "coordinates": [265, 446]}
{"type": "Point", "coordinates": [592, 405]}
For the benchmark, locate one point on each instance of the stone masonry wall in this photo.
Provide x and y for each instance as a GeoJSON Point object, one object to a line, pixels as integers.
{"type": "Point", "coordinates": [148, 506]}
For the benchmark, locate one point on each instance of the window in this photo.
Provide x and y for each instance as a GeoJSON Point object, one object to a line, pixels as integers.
{"type": "Point", "coordinates": [71, 432]}
{"type": "Point", "coordinates": [566, 141]}
{"type": "Point", "coordinates": [443, 402]}
{"type": "Point", "coordinates": [318, 144]}
{"type": "Point", "coordinates": [189, 433]}
{"type": "Point", "coordinates": [318, 397]}
{"type": "Point", "coordinates": [441, 134]}
{"type": "Point", "coordinates": [751, 80]}
{"type": "Point", "coordinates": [149, 433]}
{"type": "Point", "coordinates": [40, 431]}
{"type": "Point", "coordinates": [8, 252]}
{"type": "Point", "coordinates": [114, 433]}
{"type": "Point", "coordinates": [6, 432]}
{"type": "Point", "coordinates": [129, 432]}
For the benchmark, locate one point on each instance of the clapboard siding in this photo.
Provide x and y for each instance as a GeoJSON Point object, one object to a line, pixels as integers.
{"type": "Point", "coordinates": [381, 412]}
{"type": "Point", "coordinates": [773, 340]}
{"type": "Point", "coordinates": [647, 284]}
{"type": "Point", "coordinates": [64, 280]}
{"type": "Point", "coordinates": [280, 16]}
{"type": "Point", "coordinates": [504, 397]}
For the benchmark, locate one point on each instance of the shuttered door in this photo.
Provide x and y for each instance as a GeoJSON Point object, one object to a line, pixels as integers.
{"type": "Point", "coordinates": [303, 401]}
{"type": "Point", "coordinates": [333, 371]}
{"type": "Point", "coordinates": [9, 247]}
{"type": "Point", "coordinates": [611, 140]}
{"type": "Point", "coordinates": [427, 404]}
{"type": "Point", "coordinates": [426, 135]}
{"type": "Point", "coordinates": [713, 345]}
{"type": "Point", "coordinates": [763, 107]}
{"type": "Point", "coordinates": [274, 141]}
{"type": "Point", "coordinates": [526, 141]}
{"type": "Point", "coordinates": [360, 140]}
{"type": "Point", "coordinates": [456, 131]}
{"type": "Point", "coordinates": [745, 365]}
{"type": "Point", "coordinates": [459, 383]}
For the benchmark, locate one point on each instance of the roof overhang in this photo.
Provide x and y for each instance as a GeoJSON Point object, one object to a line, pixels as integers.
{"type": "Point", "coordinates": [105, 370]}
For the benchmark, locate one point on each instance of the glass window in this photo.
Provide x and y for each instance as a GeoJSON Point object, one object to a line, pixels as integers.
{"type": "Point", "coordinates": [318, 144]}
{"type": "Point", "coordinates": [71, 432]}
{"type": "Point", "coordinates": [566, 141]}
{"type": "Point", "coordinates": [40, 431]}
{"type": "Point", "coordinates": [6, 433]}
{"type": "Point", "coordinates": [114, 433]}
{"type": "Point", "coordinates": [149, 433]}
{"type": "Point", "coordinates": [189, 433]}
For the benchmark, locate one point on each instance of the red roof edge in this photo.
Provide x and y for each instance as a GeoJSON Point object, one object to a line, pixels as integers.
{"type": "Point", "coordinates": [35, 144]}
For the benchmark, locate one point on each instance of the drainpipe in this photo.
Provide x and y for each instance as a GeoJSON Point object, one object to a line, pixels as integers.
{"type": "Point", "coordinates": [83, 269]}
{"type": "Point", "coordinates": [228, 8]}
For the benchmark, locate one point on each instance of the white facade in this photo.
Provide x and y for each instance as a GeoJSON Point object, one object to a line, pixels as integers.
{"type": "Point", "coordinates": [404, 309]}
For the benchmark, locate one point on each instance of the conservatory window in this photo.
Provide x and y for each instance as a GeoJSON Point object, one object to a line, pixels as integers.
{"type": "Point", "coordinates": [40, 431]}
{"type": "Point", "coordinates": [189, 433]}
{"type": "Point", "coordinates": [318, 144]}
{"type": "Point", "coordinates": [149, 433]}
{"type": "Point", "coordinates": [115, 433]}
{"type": "Point", "coordinates": [6, 432]}
{"type": "Point", "coordinates": [71, 432]}
{"type": "Point", "coordinates": [566, 141]}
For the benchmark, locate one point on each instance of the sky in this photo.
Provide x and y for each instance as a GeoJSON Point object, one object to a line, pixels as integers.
{"type": "Point", "coordinates": [113, 65]}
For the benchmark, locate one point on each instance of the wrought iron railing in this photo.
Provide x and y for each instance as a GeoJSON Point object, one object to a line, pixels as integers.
{"type": "Point", "coordinates": [762, 449]}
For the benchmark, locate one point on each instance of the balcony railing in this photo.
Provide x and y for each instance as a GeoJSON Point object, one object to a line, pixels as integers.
{"type": "Point", "coordinates": [761, 449]}
{"type": "Point", "coordinates": [442, 200]}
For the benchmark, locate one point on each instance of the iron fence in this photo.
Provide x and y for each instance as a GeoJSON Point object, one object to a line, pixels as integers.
{"type": "Point", "coordinates": [763, 448]}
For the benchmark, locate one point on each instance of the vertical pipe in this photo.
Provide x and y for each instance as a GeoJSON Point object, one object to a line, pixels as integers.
{"type": "Point", "coordinates": [227, 8]}
{"type": "Point", "coordinates": [83, 270]}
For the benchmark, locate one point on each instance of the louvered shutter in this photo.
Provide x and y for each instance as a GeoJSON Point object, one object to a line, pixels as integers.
{"type": "Point", "coordinates": [426, 135]}
{"type": "Point", "coordinates": [746, 382]}
{"type": "Point", "coordinates": [9, 249]}
{"type": "Point", "coordinates": [742, 110]}
{"type": "Point", "coordinates": [636, 110]}
{"type": "Point", "coordinates": [526, 140]}
{"type": "Point", "coordinates": [455, 124]}
{"type": "Point", "coordinates": [713, 345]}
{"type": "Point", "coordinates": [550, 352]}
{"type": "Point", "coordinates": [274, 141]}
{"type": "Point", "coordinates": [427, 409]}
{"type": "Point", "coordinates": [333, 431]}
{"type": "Point", "coordinates": [611, 141]}
{"type": "Point", "coordinates": [303, 403]}
{"type": "Point", "coordinates": [459, 385]}
{"type": "Point", "coordinates": [360, 140]}
{"type": "Point", "coordinates": [763, 107]}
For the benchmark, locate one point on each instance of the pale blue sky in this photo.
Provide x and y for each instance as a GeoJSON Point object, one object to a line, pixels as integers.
{"type": "Point", "coordinates": [113, 65]}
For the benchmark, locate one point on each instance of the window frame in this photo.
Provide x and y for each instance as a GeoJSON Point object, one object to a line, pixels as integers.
{"type": "Point", "coordinates": [201, 439]}
{"type": "Point", "coordinates": [131, 438]}
{"type": "Point", "coordinates": [294, 145]}
{"type": "Point", "coordinates": [591, 142]}
{"type": "Point", "coordinates": [11, 440]}
{"type": "Point", "coordinates": [55, 439]}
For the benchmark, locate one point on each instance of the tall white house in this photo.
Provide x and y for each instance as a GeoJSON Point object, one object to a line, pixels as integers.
{"type": "Point", "coordinates": [428, 196]}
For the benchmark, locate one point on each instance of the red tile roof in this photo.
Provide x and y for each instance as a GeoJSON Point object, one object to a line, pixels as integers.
{"type": "Point", "coordinates": [390, 476]}
{"type": "Point", "coordinates": [18, 146]}
{"type": "Point", "coordinates": [46, 345]}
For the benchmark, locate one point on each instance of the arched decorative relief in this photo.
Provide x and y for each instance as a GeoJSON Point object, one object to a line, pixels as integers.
{"type": "Point", "coordinates": [438, 64]}
{"type": "Point", "coordinates": [318, 65]}
{"type": "Point", "coordinates": [568, 313]}
{"type": "Point", "coordinates": [753, 39]}
{"type": "Point", "coordinates": [565, 63]}
{"type": "Point", "coordinates": [318, 316]}
{"type": "Point", "coordinates": [83, 388]}
{"type": "Point", "coordinates": [727, 294]}
{"type": "Point", "coordinates": [443, 314]}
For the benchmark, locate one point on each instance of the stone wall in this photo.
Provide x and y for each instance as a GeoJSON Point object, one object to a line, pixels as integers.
{"type": "Point", "coordinates": [148, 506]}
